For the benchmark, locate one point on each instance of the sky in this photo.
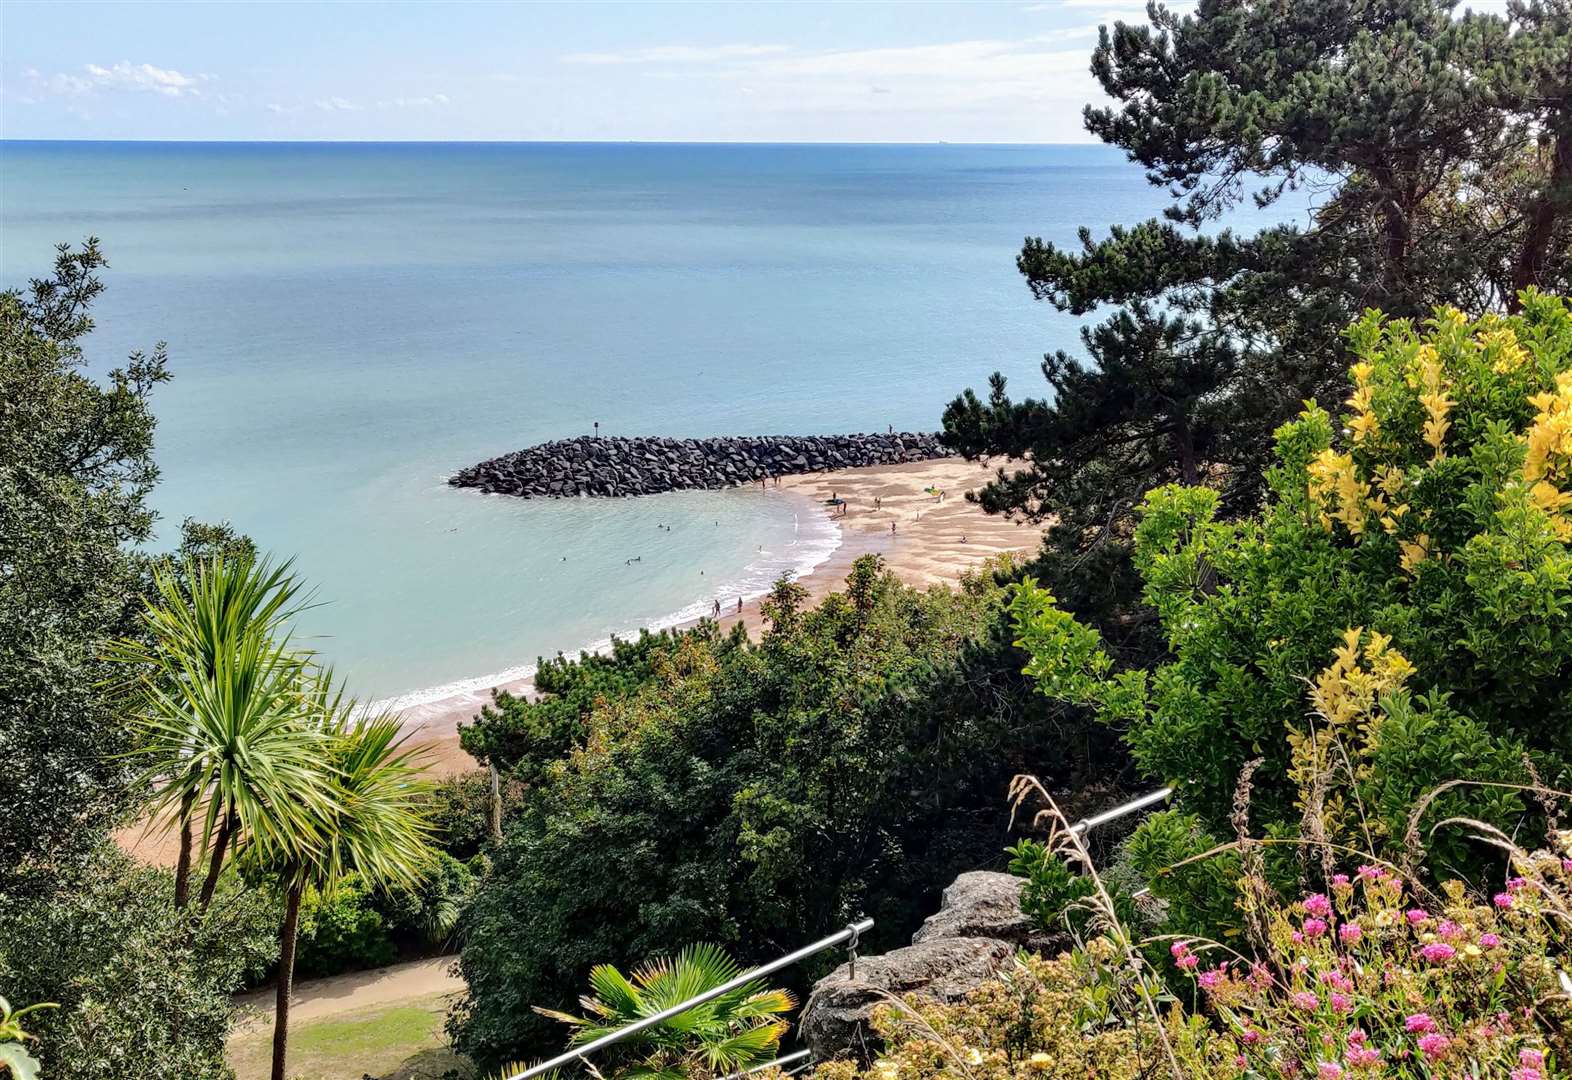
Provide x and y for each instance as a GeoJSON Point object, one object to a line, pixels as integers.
{"type": "Point", "coordinates": [725, 72]}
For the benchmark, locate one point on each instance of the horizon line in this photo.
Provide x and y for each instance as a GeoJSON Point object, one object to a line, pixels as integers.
{"type": "Point", "coordinates": [559, 142]}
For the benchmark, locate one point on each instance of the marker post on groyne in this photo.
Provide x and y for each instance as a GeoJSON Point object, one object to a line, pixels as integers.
{"type": "Point", "coordinates": [610, 467]}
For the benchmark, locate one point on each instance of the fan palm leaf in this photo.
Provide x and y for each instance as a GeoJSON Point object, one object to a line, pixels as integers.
{"type": "Point", "coordinates": [731, 1032]}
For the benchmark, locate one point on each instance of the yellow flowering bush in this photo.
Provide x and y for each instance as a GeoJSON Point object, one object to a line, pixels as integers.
{"type": "Point", "coordinates": [1396, 616]}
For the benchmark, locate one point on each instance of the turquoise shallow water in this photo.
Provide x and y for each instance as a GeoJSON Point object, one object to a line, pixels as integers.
{"type": "Point", "coordinates": [349, 323]}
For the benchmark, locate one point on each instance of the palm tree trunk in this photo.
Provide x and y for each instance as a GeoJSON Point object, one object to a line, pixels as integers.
{"type": "Point", "coordinates": [286, 979]}
{"type": "Point", "coordinates": [216, 863]}
{"type": "Point", "coordinates": [183, 866]}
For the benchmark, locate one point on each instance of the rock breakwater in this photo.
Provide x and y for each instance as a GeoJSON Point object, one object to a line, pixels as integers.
{"type": "Point", "coordinates": [612, 466]}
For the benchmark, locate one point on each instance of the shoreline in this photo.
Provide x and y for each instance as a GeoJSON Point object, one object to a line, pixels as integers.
{"type": "Point", "coordinates": [935, 541]}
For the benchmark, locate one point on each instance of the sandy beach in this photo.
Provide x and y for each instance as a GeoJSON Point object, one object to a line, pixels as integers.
{"type": "Point", "coordinates": [934, 541]}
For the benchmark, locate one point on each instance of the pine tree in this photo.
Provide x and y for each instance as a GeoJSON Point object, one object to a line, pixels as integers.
{"type": "Point", "coordinates": [1436, 152]}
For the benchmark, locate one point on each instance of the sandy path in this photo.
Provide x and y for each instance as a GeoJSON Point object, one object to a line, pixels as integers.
{"type": "Point", "coordinates": [317, 998]}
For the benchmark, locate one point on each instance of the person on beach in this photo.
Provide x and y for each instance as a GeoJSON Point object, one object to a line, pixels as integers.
{"type": "Point", "coordinates": [892, 528]}
{"type": "Point", "coordinates": [739, 605]}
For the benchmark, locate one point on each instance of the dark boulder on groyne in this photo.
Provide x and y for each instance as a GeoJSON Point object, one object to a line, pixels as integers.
{"type": "Point", "coordinates": [610, 467]}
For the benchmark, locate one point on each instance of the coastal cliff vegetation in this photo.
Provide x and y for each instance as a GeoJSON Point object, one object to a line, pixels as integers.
{"type": "Point", "coordinates": [697, 786]}
{"type": "Point", "coordinates": [1310, 507]}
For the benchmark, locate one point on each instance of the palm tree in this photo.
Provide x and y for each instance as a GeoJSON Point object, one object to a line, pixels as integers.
{"type": "Point", "coordinates": [221, 720]}
{"type": "Point", "coordinates": [376, 823]}
{"type": "Point", "coordinates": [729, 1033]}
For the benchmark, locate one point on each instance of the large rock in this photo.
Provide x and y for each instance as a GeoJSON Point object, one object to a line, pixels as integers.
{"type": "Point", "coordinates": [984, 904]}
{"type": "Point", "coordinates": [835, 1020]}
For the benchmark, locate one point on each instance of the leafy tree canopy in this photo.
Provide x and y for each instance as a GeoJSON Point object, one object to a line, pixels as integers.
{"type": "Point", "coordinates": [143, 991]}
{"type": "Point", "coordinates": [75, 468]}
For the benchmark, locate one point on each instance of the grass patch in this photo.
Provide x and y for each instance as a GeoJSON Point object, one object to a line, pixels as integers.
{"type": "Point", "coordinates": [391, 1042]}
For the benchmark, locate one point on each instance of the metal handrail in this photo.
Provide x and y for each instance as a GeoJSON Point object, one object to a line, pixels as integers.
{"type": "Point", "coordinates": [1141, 803]}
{"type": "Point", "coordinates": [779, 1063]}
{"type": "Point", "coordinates": [852, 932]}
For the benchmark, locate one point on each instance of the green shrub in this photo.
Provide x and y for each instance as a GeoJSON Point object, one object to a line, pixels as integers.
{"type": "Point", "coordinates": [1398, 615]}
{"type": "Point", "coordinates": [143, 990]}
{"type": "Point", "coordinates": [461, 813]}
{"type": "Point", "coordinates": [1051, 887]}
{"type": "Point", "coordinates": [342, 931]}
{"type": "Point", "coordinates": [759, 796]}
{"type": "Point", "coordinates": [428, 915]}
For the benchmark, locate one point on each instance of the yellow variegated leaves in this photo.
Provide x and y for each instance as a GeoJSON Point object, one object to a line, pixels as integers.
{"type": "Point", "coordinates": [1414, 551]}
{"type": "Point", "coordinates": [1550, 437]}
{"type": "Point", "coordinates": [1349, 689]}
{"type": "Point", "coordinates": [1435, 399]}
{"type": "Point", "coordinates": [1424, 397]}
{"type": "Point", "coordinates": [1363, 424]}
{"type": "Point", "coordinates": [1338, 491]}
{"type": "Point", "coordinates": [1502, 350]}
{"type": "Point", "coordinates": [1347, 696]}
{"type": "Point", "coordinates": [1547, 465]}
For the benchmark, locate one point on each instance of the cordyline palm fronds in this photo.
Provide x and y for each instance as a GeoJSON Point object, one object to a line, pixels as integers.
{"type": "Point", "coordinates": [218, 710]}
{"type": "Point", "coordinates": [375, 824]}
{"type": "Point", "coordinates": [732, 1032]}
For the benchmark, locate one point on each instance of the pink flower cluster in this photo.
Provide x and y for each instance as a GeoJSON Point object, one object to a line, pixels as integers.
{"type": "Point", "coordinates": [1343, 963]}
{"type": "Point", "coordinates": [1529, 1065]}
{"type": "Point", "coordinates": [1360, 1055]}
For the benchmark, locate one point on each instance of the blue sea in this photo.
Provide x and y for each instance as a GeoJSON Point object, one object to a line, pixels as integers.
{"type": "Point", "coordinates": [350, 323]}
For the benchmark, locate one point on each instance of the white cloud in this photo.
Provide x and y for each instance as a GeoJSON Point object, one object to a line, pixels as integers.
{"type": "Point", "coordinates": [122, 77]}
{"type": "Point", "coordinates": [677, 54]}
{"type": "Point", "coordinates": [425, 102]}
{"type": "Point", "coordinates": [129, 76]}
{"type": "Point", "coordinates": [336, 104]}
{"type": "Point", "coordinates": [1046, 72]}
{"type": "Point", "coordinates": [984, 62]}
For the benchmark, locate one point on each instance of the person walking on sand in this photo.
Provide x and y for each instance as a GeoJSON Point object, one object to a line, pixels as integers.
{"type": "Point", "coordinates": [717, 609]}
{"type": "Point", "coordinates": [739, 605]}
{"type": "Point", "coordinates": [892, 528]}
